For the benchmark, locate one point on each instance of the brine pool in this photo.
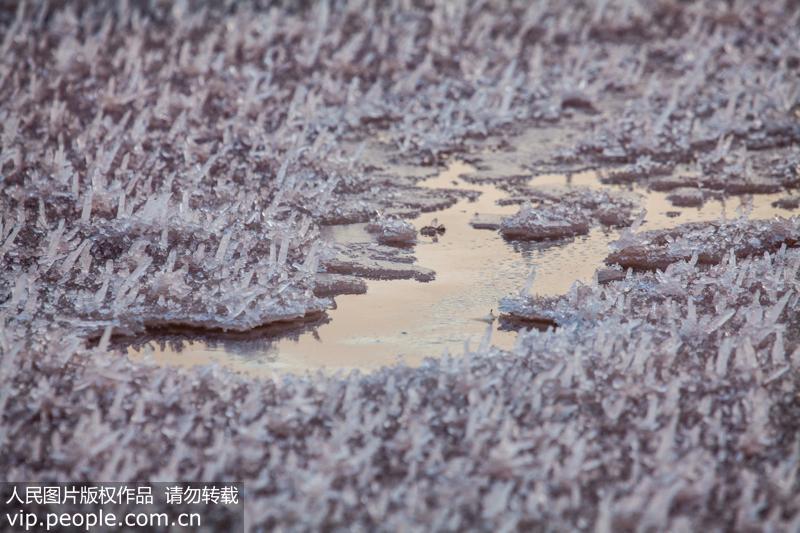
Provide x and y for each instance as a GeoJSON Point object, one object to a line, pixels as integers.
{"type": "Point", "coordinates": [407, 321]}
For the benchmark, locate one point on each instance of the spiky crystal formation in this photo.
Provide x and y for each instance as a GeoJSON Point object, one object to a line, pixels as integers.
{"type": "Point", "coordinates": [171, 163]}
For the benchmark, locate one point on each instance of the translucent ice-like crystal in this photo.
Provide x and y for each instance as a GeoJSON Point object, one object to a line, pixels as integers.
{"type": "Point", "coordinates": [551, 222]}
{"type": "Point", "coordinates": [393, 231]}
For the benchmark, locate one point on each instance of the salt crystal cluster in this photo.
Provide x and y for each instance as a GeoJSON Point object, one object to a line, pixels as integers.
{"type": "Point", "coordinates": [687, 197]}
{"type": "Point", "coordinates": [562, 212]}
{"type": "Point", "coordinates": [376, 261]}
{"type": "Point", "coordinates": [707, 243]}
{"type": "Point", "coordinates": [643, 167]}
{"type": "Point", "coordinates": [540, 223]}
{"type": "Point", "coordinates": [393, 231]}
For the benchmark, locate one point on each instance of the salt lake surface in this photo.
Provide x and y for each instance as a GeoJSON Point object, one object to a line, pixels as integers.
{"type": "Point", "coordinates": [406, 320]}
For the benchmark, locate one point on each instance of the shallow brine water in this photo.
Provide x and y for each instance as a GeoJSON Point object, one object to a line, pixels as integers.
{"type": "Point", "coordinates": [406, 320]}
